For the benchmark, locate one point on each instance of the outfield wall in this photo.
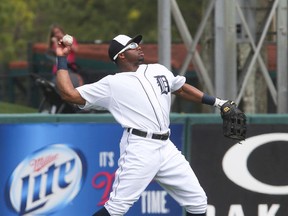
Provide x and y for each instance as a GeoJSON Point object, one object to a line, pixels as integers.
{"type": "Point", "coordinates": [64, 165]}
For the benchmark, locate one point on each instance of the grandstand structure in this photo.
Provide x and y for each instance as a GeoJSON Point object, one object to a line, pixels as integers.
{"type": "Point", "coordinates": [241, 29]}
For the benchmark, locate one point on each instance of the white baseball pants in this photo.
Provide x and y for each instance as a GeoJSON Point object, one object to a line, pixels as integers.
{"type": "Point", "coordinates": [144, 159]}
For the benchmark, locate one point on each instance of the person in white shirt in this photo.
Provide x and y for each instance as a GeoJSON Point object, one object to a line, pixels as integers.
{"type": "Point", "coordinates": [139, 98]}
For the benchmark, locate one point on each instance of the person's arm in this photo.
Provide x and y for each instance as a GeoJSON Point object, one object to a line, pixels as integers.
{"type": "Point", "coordinates": [63, 81]}
{"type": "Point", "coordinates": [191, 93]}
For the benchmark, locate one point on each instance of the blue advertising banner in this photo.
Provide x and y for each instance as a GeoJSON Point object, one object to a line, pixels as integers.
{"type": "Point", "coordinates": [68, 169]}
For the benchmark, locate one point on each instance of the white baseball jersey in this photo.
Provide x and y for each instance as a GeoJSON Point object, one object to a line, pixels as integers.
{"type": "Point", "coordinates": [140, 99]}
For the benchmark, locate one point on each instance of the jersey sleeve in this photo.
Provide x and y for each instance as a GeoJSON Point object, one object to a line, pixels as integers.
{"type": "Point", "coordinates": [97, 95]}
{"type": "Point", "coordinates": [176, 81]}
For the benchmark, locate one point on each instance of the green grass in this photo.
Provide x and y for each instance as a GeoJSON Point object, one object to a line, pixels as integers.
{"type": "Point", "coordinates": [15, 108]}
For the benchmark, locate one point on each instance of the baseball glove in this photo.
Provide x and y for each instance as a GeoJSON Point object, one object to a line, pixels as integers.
{"type": "Point", "coordinates": [234, 121]}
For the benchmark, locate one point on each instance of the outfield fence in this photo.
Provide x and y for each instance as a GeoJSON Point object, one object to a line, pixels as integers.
{"type": "Point", "coordinates": [65, 164]}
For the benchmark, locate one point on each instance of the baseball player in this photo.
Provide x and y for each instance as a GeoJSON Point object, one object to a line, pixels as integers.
{"type": "Point", "coordinates": [139, 98]}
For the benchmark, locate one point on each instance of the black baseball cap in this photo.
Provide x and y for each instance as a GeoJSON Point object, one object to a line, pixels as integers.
{"type": "Point", "coordinates": [119, 43]}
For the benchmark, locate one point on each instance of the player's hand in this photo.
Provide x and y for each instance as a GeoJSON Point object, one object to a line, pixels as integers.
{"type": "Point", "coordinates": [62, 50]}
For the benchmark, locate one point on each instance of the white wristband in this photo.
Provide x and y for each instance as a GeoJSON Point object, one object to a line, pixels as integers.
{"type": "Point", "coordinates": [218, 102]}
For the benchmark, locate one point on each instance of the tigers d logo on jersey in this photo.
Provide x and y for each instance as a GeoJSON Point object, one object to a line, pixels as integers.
{"type": "Point", "coordinates": [163, 84]}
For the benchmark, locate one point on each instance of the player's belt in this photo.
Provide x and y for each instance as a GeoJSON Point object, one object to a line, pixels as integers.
{"type": "Point", "coordinates": [144, 134]}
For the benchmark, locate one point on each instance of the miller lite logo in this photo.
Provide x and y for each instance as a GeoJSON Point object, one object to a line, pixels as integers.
{"type": "Point", "coordinates": [46, 180]}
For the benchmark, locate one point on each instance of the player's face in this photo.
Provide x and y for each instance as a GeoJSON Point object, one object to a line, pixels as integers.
{"type": "Point", "coordinates": [134, 55]}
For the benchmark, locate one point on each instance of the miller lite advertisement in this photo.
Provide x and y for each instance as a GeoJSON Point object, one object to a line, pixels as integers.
{"type": "Point", "coordinates": [68, 169]}
{"type": "Point", "coordinates": [249, 178]}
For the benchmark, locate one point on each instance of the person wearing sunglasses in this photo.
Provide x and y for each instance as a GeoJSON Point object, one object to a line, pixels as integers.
{"type": "Point", "coordinates": [132, 45]}
{"type": "Point", "coordinates": [139, 98]}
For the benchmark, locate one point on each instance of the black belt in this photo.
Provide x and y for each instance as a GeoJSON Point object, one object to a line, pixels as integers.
{"type": "Point", "coordinates": [144, 134]}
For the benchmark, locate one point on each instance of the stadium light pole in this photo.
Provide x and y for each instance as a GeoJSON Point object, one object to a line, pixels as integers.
{"type": "Point", "coordinates": [282, 57]}
{"type": "Point", "coordinates": [164, 33]}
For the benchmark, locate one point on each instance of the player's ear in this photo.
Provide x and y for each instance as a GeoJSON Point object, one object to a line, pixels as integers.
{"type": "Point", "coordinates": [121, 56]}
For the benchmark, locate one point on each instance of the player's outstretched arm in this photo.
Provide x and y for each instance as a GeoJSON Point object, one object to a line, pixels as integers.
{"type": "Point", "coordinates": [191, 93]}
{"type": "Point", "coordinates": [63, 81]}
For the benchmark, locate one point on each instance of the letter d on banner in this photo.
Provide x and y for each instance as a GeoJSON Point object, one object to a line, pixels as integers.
{"type": "Point", "coordinates": [235, 164]}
